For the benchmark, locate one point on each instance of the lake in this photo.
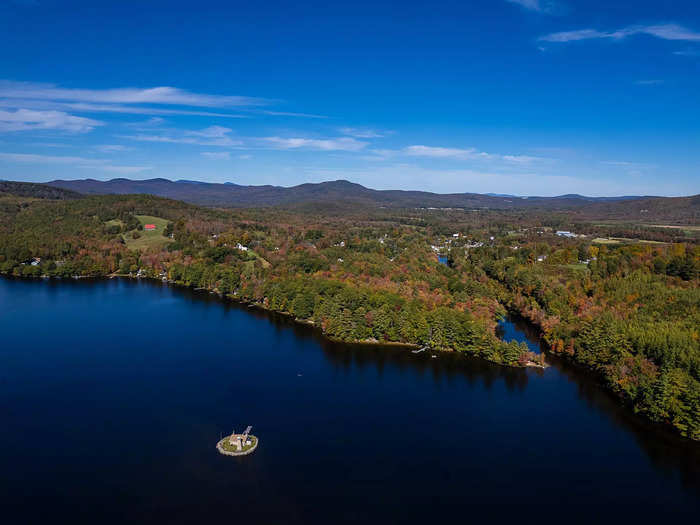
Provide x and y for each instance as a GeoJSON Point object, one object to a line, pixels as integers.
{"type": "Point", "coordinates": [115, 392]}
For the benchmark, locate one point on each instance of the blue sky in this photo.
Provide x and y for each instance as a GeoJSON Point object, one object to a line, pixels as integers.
{"type": "Point", "coordinates": [530, 97]}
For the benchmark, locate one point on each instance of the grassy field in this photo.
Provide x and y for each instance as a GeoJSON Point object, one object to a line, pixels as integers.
{"type": "Point", "coordinates": [620, 240]}
{"type": "Point", "coordinates": [114, 222]}
{"type": "Point", "coordinates": [576, 266]}
{"type": "Point", "coordinates": [148, 239]}
{"type": "Point", "coordinates": [264, 262]}
{"type": "Point", "coordinates": [685, 227]}
{"type": "Point", "coordinates": [601, 240]}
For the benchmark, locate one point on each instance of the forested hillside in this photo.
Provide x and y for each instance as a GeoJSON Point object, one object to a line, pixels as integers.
{"type": "Point", "coordinates": [626, 307]}
{"type": "Point", "coordinates": [38, 191]}
{"type": "Point", "coordinates": [332, 192]}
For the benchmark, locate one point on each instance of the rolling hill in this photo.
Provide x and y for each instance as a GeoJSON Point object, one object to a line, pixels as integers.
{"type": "Point", "coordinates": [234, 195]}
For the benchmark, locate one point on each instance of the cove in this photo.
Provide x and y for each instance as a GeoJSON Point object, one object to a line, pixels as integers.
{"type": "Point", "coordinates": [115, 392]}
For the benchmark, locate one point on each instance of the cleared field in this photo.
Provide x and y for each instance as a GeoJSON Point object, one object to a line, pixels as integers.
{"type": "Point", "coordinates": [576, 266]}
{"type": "Point", "coordinates": [620, 240]}
{"type": "Point", "coordinates": [264, 262]}
{"type": "Point", "coordinates": [686, 227]}
{"type": "Point", "coordinates": [148, 238]}
{"type": "Point", "coordinates": [114, 222]}
{"type": "Point", "coordinates": [601, 240]}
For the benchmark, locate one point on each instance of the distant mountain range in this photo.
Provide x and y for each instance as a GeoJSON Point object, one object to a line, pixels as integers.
{"type": "Point", "coordinates": [234, 195]}
{"type": "Point", "coordinates": [37, 191]}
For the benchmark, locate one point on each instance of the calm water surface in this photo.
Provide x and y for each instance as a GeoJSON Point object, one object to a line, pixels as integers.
{"type": "Point", "coordinates": [114, 393]}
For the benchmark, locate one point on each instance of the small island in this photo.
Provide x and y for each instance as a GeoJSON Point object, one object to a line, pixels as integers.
{"type": "Point", "coordinates": [238, 444]}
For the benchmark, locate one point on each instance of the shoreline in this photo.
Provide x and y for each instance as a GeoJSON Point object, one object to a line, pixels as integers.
{"type": "Point", "coordinates": [306, 322]}
{"type": "Point", "coordinates": [259, 306]}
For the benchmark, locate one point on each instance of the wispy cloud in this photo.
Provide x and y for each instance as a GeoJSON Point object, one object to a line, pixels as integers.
{"type": "Point", "coordinates": [688, 52]}
{"type": "Point", "coordinates": [627, 164]}
{"type": "Point", "coordinates": [334, 144]}
{"type": "Point", "coordinates": [523, 159]}
{"type": "Point", "coordinates": [216, 155]}
{"type": "Point", "coordinates": [28, 120]}
{"type": "Point", "coordinates": [663, 31]}
{"type": "Point", "coordinates": [363, 133]}
{"type": "Point", "coordinates": [88, 107]}
{"type": "Point", "coordinates": [444, 153]}
{"type": "Point", "coordinates": [291, 114]}
{"type": "Point", "coordinates": [468, 154]}
{"type": "Point", "coordinates": [156, 95]}
{"type": "Point", "coordinates": [78, 162]}
{"type": "Point", "coordinates": [541, 6]}
{"type": "Point", "coordinates": [211, 136]}
{"type": "Point", "coordinates": [652, 82]}
{"type": "Point", "coordinates": [110, 148]}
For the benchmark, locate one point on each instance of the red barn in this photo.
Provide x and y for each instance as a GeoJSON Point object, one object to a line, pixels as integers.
{"type": "Point", "coordinates": [149, 226]}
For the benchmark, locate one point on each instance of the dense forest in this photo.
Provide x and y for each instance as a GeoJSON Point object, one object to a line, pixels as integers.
{"type": "Point", "coordinates": [620, 298]}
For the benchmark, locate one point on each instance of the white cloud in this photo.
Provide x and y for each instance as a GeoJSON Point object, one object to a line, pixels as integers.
{"type": "Point", "coordinates": [156, 95]}
{"type": "Point", "coordinates": [211, 132]}
{"type": "Point", "coordinates": [78, 162]}
{"type": "Point", "coordinates": [663, 31]}
{"type": "Point", "coordinates": [291, 114]}
{"type": "Point", "coordinates": [109, 148]}
{"type": "Point", "coordinates": [84, 107]}
{"type": "Point", "coordinates": [29, 120]}
{"type": "Point", "coordinates": [628, 164]}
{"type": "Point", "coordinates": [363, 133]}
{"type": "Point", "coordinates": [335, 144]}
{"type": "Point", "coordinates": [211, 136]}
{"type": "Point", "coordinates": [652, 82]}
{"type": "Point", "coordinates": [438, 152]}
{"type": "Point", "coordinates": [446, 153]}
{"type": "Point", "coordinates": [216, 155]}
{"type": "Point", "coordinates": [522, 159]}
{"type": "Point", "coordinates": [688, 52]}
{"type": "Point", "coordinates": [534, 5]}
{"type": "Point", "coordinates": [443, 153]}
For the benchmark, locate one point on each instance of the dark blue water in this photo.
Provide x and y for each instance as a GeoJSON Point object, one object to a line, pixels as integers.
{"type": "Point", "coordinates": [513, 328]}
{"type": "Point", "coordinates": [114, 393]}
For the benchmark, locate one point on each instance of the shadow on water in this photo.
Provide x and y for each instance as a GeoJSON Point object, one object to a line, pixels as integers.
{"type": "Point", "coordinates": [515, 328]}
{"type": "Point", "coordinates": [667, 451]}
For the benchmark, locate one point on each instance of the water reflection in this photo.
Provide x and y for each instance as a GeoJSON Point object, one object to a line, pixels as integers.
{"type": "Point", "coordinates": [665, 450]}
{"type": "Point", "coordinates": [515, 328]}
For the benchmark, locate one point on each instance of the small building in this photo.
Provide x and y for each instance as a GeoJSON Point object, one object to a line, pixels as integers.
{"type": "Point", "coordinates": [149, 227]}
{"type": "Point", "coordinates": [565, 233]}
